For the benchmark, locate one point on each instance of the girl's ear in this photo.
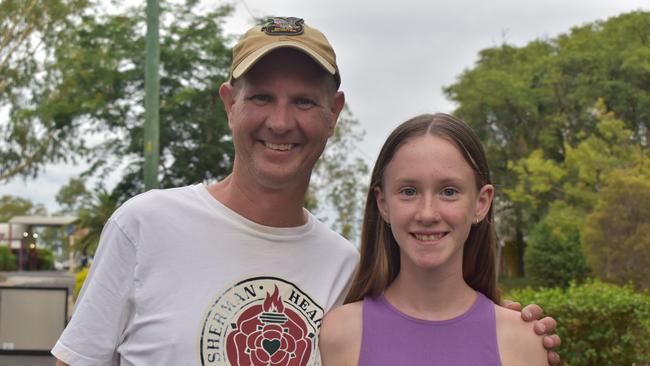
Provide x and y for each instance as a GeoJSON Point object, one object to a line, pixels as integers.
{"type": "Point", "coordinates": [483, 202]}
{"type": "Point", "coordinates": [380, 198]}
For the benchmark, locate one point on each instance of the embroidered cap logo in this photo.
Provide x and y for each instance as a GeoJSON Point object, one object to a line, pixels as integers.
{"type": "Point", "coordinates": [281, 26]}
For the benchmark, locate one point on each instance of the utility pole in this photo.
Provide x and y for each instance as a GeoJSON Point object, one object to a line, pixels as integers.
{"type": "Point", "coordinates": [152, 98]}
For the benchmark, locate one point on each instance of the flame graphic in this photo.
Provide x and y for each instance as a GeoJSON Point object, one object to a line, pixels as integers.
{"type": "Point", "coordinates": [273, 303]}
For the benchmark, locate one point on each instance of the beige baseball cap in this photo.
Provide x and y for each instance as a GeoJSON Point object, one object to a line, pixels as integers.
{"type": "Point", "coordinates": [282, 32]}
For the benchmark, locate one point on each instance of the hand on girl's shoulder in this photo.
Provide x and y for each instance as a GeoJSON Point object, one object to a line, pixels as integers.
{"type": "Point", "coordinates": [518, 342]}
{"type": "Point", "coordinates": [340, 335]}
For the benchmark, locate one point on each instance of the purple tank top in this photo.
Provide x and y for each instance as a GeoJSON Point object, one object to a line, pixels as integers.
{"type": "Point", "coordinates": [393, 338]}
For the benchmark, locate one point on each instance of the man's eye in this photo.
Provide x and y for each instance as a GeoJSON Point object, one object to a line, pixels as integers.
{"type": "Point", "coordinates": [409, 191]}
{"type": "Point", "coordinates": [260, 98]}
{"type": "Point", "coordinates": [305, 103]}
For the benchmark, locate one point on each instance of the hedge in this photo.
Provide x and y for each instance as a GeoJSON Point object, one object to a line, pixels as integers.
{"type": "Point", "coordinates": [600, 324]}
{"type": "Point", "coordinates": [7, 259]}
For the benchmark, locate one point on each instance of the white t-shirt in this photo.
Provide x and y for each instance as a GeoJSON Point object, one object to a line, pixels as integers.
{"type": "Point", "coordinates": [180, 279]}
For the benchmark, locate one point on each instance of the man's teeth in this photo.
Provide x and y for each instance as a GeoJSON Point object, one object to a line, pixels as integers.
{"type": "Point", "coordinates": [429, 237]}
{"type": "Point", "coordinates": [280, 147]}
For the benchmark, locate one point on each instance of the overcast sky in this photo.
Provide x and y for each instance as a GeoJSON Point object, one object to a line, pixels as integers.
{"type": "Point", "coordinates": [396, 57]}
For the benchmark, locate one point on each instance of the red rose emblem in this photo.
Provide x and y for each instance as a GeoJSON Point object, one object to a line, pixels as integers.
{"type": "Point", "coordinates": [269, 335]}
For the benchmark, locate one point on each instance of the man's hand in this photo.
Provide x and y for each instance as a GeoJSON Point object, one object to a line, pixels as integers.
{"type": "Point", "coordinates": [546, 326]}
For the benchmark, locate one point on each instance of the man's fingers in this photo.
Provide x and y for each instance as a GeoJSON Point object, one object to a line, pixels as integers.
{"type": "Point", "coordinates": [545, 326]}
{"type": "Point", "coordinates": [551, 341]}
{"type": "Point", "coordinates": [512, 305]}
{"type": "Point", "coordinates": [553, 358]}
{"type": "Point", "coordinates": [531, 312]}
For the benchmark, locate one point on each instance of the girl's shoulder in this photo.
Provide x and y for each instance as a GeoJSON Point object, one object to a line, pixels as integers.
{"type": "Point", "coordinates": [517, 340]}
{"type": "Point", "coordinates": [340, 335]}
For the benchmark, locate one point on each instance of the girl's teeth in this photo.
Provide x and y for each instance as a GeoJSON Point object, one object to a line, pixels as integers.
{"type": "Point", "coordinates": [429, 237]}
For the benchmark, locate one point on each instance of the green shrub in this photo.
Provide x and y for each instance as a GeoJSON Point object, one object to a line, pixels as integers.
{"type": "Point", "coordinates": [600, 324]}
{"type": "Point", "coordinates": [7, 259]}
{"type": "Point", "coordinates": [80, 277]}
{"type": "Point", "coordinates": [554, 255]}
{"type": "Point", "coordinates": [45, 259]}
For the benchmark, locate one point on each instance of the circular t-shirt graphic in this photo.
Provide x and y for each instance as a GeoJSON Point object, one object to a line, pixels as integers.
{"type": "Point", "coordinates": [261, 321]}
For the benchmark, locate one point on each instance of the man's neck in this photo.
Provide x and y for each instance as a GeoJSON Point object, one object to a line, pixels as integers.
{"type": "Point", "coordinates": [269, 207]}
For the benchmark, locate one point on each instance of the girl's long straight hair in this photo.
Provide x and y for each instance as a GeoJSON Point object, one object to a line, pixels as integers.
{"type": "Point", "coordinates": [380, 254]}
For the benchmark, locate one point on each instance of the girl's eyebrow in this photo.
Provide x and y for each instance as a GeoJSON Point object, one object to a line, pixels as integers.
{"type": "Point", "coordinates": [442, 181]}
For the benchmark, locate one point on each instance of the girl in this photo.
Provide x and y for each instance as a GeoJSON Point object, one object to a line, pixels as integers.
{"type": "Point", "coordinates": [425, 291]}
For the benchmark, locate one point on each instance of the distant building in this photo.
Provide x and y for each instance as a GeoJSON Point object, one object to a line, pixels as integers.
{"type": "Point", "coordinates": [19, 235]}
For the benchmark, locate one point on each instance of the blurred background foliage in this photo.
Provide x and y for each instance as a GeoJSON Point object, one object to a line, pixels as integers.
{"type": "Point", "coordinates": [565, 122]}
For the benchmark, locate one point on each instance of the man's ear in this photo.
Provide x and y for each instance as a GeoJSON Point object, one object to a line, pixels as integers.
{"type": "Point", "coordinates": [335, 109]}
{"type": "Point", "coordinates": [227, 93]}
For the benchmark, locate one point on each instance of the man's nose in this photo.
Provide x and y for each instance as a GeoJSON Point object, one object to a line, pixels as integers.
{"type": "Point", "coordinates": [281, 119]}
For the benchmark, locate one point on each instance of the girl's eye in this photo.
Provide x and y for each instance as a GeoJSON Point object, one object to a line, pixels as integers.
{"type": "Point", "coordinates": [449, 192]}
{"type": "Point", "coordinates": [408, 191]}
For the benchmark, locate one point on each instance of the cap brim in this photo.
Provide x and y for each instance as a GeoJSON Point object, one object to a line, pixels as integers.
{"type": "Point", "coordinates": [251, 59]}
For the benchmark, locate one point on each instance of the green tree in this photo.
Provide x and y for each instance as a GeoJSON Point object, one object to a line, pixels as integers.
{"type": "Point", "coordinates": [92, 207]}
{"type": "Point", "coordinates": [580, 176]}
{"type": "Point", "coordinates": [92, 218]}
{"type": "Point", "coordinates": [566, 192]}
{"type": "Point", "coordinates": [31, 31]}
{"type": "Point", "coordinates": [11, 206]}
{"type": "Point", "coordinates": [617, 235]}
{"type": "Point", "coordinates": [338, 179]}
{"type": "Point", "coordinates": [194, 60]}
{"type": "Point", "coordinates": [540, 98]}
{"type": "Point", "coordinates": [541, 95]}
{"type": "Point", "coordinates": [90, 99]}
{"type": "Point", "coordinates": [553, 256]}
{"type": "Point", "coordinates": [73, 196]}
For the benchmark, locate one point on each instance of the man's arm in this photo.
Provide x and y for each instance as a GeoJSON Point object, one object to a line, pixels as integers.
{"type": "Point", "coordinates": [60, 363]}
{"type": "Point", "coordinates": [545, 326]}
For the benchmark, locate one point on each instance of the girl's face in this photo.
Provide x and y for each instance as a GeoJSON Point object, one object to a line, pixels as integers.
{"type": "Point", "coordinates": [430, 199]}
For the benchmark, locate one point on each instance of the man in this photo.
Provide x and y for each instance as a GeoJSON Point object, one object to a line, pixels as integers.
{"type": "Point", "coordinates": [238, 272]}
